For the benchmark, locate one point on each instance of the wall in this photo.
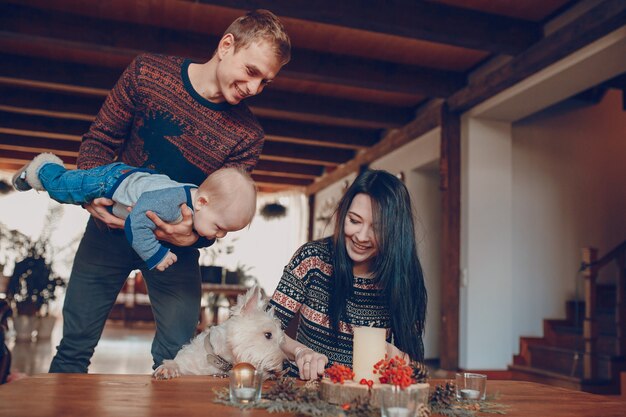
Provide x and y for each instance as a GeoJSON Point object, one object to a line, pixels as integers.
{"type": "Point", "coordinates": [568, 192]}
{"type": "Point", "coordinates": [485, 293]}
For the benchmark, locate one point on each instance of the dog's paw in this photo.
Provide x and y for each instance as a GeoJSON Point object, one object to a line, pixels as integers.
{"type": "Point", "coordinates": [168, 370]}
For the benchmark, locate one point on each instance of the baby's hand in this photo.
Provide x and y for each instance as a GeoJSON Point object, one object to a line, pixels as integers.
{"type": "Point", "coordinates": [169, 260]}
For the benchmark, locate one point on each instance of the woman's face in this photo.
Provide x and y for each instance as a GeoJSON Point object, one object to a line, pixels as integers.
{"type": "Point", "coordinates": [359, 233]}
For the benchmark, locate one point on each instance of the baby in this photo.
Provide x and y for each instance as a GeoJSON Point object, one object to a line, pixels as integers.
{"type": "Point", "coordinates": [224, 202]}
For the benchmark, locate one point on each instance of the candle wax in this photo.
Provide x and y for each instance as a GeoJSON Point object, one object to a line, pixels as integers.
{"type": "Point", "coordinates": [470, 394]}
{"type": "Point", "coordinates": [245, 393]}
{"type": "Point", "coordinates": [398, 412]}
{"type": "Point", "coordinates": [368, 349]}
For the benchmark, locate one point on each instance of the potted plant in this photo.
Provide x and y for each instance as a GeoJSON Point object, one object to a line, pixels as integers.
{"type": "Point", "coordinates": [32, 285]}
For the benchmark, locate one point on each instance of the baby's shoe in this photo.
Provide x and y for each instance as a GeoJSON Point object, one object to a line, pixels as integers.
{"type": "Point", "coordinates": [19, 179]}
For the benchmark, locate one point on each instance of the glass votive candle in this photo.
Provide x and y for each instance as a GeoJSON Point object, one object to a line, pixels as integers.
{"type": "Point", "coordinates": [398, 402]}
{"type": "Point", "coordinates": [245, 386]}
{"type": "Point", "coordinates": [471, 387]}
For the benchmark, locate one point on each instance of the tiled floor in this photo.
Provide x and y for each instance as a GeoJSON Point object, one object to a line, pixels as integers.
{"type": "Point", "coordinates": [121, 350]}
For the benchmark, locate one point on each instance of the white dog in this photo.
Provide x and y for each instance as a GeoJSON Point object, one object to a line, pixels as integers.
{"type": "Point", "coordinates": [251, 334]}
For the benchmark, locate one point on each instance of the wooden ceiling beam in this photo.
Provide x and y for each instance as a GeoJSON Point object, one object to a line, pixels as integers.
{"type": "Point", "coordinates": [310, 178]}
{"type": "Point", "coordinates": [412, 19]}
{"type": "Point", "coordinates": [18, 157]}
{"type": "Point", "coordinates": [22, 157]}
{"type": "Point", "coordinates": [310, 134]}
{"type": "Point", "coordinates": [285, 168]}
{"type": "Point", "coordinates": [51, 75]}
{"type": "Point", "coordinates": [30, 119]}
{"type": "Point", "coordinates": [85, 39]}
{"type": "Point", "coordinates": [38, 144]}
{"type": "Point", "coordinates": [30, 122]}
{"type": "Point", "coordinates": [288, 152]}
{"type": "Point", "coordinates": [72, 130]}
{"type": "Point", "coordinates": [327, 110]}
{"type": "Point", "coordinates": [281, 180]}
{"type": "Point", "coordinates": [267, 187]}
{"type": "Point", "coordinates": [428, 117]}
{"type": "Point", "coordinates": [93, 84]}
{"type": "Point", "coordinates": [596, 23]}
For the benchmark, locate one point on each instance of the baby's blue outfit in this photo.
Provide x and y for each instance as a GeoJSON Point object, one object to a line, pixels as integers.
{"type": "Point", "coordinates": [139, 188]}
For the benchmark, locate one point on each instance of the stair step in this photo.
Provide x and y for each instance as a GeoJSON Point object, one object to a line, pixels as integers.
{"type": "Point", "coordinates": [605, 319]}
{"type": "Point", "coordinates": [603, 313]}
{"type": "Point", "coordinates": [567, 362]}
{"type": "Point", "coordinates": [605, 345]}
{"type": "Point", "coordinates": [529, 373]}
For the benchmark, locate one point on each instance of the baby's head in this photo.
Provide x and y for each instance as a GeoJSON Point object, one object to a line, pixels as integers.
{"type": "Point", "coordinates": [224, 202]}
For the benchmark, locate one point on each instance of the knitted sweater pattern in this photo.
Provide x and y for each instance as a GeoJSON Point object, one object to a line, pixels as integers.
{"type": "Point", "coordinates": [305, 288]}
{"type": "Point", "coordinates": [153, 118]}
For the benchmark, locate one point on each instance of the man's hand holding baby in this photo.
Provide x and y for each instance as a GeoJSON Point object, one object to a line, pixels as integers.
{"type": "Point", "coordinates": [179, 234]}
{"type": "Point", "coordinates": [98, 209]}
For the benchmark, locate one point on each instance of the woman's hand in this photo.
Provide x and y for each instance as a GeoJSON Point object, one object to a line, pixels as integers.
{"type": "Point", "coordinates": [310, 363]}
{"type": "Point", "coordinates": [393, 351]}
{"type": "Point", "coordinates": [179, 234]}
{"type": "Point", "coordinates": [98, 209]}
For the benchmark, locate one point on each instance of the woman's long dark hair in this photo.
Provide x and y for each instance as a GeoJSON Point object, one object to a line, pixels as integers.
{"type": "Point", "coordinates": [396, 267]}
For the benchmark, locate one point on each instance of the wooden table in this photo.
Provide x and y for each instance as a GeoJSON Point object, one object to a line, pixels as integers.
{"type": "Point", "coordinates": [97, 395]}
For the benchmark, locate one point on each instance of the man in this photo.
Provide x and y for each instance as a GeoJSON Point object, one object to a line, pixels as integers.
{"type": "Point", "coordinates": [185, 120]}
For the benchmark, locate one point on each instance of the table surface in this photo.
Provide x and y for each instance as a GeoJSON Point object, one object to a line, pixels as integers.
{"type": "Point", "coordinates": [98, 395]}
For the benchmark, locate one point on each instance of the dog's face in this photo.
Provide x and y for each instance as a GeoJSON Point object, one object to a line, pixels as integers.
{"type": "Point", "coordinates": [254, 335]}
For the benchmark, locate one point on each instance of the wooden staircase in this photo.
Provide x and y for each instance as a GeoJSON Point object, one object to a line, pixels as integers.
{"type": "Point", "coordinates": [586, 351]}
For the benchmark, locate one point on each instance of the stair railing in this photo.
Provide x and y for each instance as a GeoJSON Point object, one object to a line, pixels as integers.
{"type": "Point", "coordinates": [590, 267]}
{"type": "Point", "coordinates": [590, 325]}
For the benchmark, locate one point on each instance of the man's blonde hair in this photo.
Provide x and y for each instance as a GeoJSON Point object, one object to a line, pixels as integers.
{"type": "Point", "coordinates": [260, 25]}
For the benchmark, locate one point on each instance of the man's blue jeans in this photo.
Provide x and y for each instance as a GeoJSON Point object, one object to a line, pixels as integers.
{"type": "Point", "coordinates": [103, 262]}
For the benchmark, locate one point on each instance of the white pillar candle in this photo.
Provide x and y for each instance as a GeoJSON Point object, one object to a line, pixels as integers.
{"type": "Point", "coordinates": [368, 348]}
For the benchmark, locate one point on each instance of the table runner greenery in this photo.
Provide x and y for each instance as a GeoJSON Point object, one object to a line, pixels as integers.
{"type": "Point", "coordinates": [286, 396]}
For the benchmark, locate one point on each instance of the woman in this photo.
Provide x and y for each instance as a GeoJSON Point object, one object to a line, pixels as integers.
{"type": "Point", "coordinates": [367, 273]}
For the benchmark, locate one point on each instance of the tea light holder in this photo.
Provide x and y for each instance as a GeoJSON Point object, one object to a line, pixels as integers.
{"type": "Point", "coordinates": [245, 384]}
{"type": "Point", "coordinates": [398, 402]}
{"type": "Point", "coordinates": [471, 387]}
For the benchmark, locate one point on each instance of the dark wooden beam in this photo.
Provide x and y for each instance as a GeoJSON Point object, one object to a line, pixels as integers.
{"type": "Point", "coordinates": [310, 134]}
{"type": "Point", "coordinates": [412, 19]}
{"type": "Point", "coordinates": [280, 180]}
{"type": "Point", "coordinates": [450, 177]}
{"type": "Point", "coordinates": [286, 168]}
{"type": "Point", "coordinates": [594, 24]}
{"type": "Point", "coordinates": [36, 145]}
{"type": "Point", "coordinates": [326, 110]}
{"type": "Point", "coordinates": [288, 152]}
{"type": "Point", "coordinates": [32, 31]}
{"type": "Point", "coordinates": [55, 104]}
{"type": "Point", "coordinates": [428, 117]}
{"type": "Point", "coordinates": [19, 155]}
{"type": "Point", "coordinates": [371, 74]}
{"type": "Point", "coordinates": [16, 151]}
{"type": "Point", "coordinates": [51, 75]}
{"type": "Point", "coordinates": [37, 123]}
{"type": "Point", "coordinates": [68, 79]}
{"type": "Point", "coordinates": [280, 131]}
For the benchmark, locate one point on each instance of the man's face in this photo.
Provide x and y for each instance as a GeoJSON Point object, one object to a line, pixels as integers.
{"type": "Point", "coordinates": [245, 73]}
